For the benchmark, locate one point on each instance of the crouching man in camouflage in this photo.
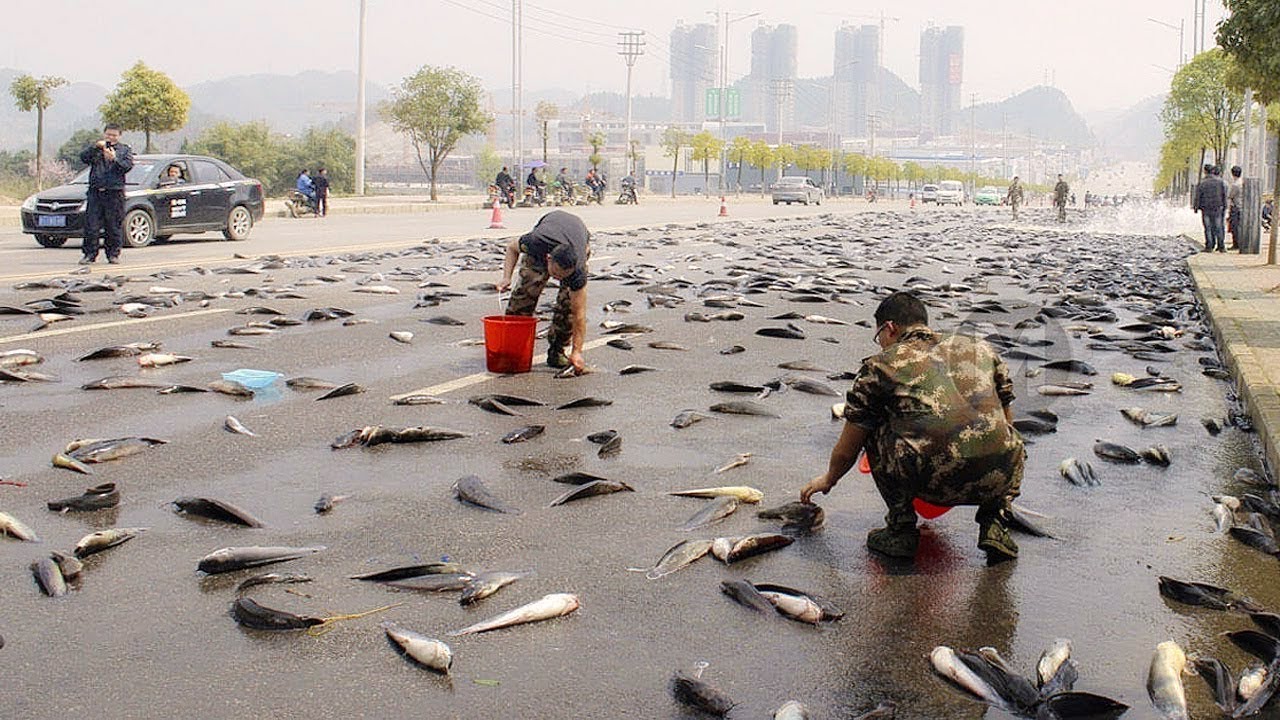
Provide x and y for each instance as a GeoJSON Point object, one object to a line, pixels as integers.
{"type": "Point", "coordinates": [933, 414]}
{"type": "Point", "coordinates": [555, 248]}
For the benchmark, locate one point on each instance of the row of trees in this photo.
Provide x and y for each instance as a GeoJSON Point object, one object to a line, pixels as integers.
{"type": "Point", "coordinates": [276, 159]}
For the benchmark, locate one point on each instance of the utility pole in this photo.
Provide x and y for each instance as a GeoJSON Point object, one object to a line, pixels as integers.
{"type": "Point", "coordinates": [632, 44]}
{"type": "Point", "coordinates": [1248, 120]}
{"type": "Point", "coordinates": [973, 141]}
{"type": "Point", "coordinates": [781, 89]}
{"type": "Point", "coordinates": [1004, 144]}
{"type": "Point", "coordinates": [360, 101]}
{"type": "Point", "coordinates": [517, 94]}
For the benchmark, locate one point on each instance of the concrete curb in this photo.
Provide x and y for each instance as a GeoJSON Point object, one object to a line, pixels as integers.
{"type": "Point", "coordinates": [1254, 386]}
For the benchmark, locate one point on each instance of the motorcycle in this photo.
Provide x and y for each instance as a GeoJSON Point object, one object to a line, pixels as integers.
{"type": "Point", "coordinates": [299, 204]}
{"type": "Point", "coordinates": [627, 195]}
{"type": "Point", "coordinates": [506, 196]}
{"type": "Point", "coordinates": [571, 195]}
{"type": "Point", "coordinates": [534, 196]}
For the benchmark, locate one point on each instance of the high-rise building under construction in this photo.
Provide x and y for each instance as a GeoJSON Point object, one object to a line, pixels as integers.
{"type": "Point", "coordinates": [941, 74]}
{"type": "Point", "coordinates": [856, 74]}
{"type": "Point", "coordinates": [694, 58]}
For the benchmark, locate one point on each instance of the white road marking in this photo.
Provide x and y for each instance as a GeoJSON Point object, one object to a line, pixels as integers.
{"type": "Point", "coordinates": [114, 323]}
{"type": "Point", "coordinates": [477, 378]}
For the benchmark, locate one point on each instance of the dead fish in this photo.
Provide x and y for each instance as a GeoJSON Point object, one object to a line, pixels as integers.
{"type": "Point", "coordinates": [151, 360]}
{"type": "Point", "coordinates": [665, 345]}
{"type": "Point", "coordinates": [11, 526]}
{"type": "Point", "coordinates": [444, 320]}
{"type": "Point", "coordinates": [100, 451]}
{"type": "Point", "coordinates": [586, 402]}
{"type": "Point", "coordinates": [377, 290]}
{"type": "Point", "coordinates": [742, 493]}
{"type": "Point", "coordinates": [1026, 521]}
{"type": "Point", "coordinates": [795, 607]}
{"type": "Point", "coordinates": [1146, 419]}
{"type": "Point", "coordinates": [509, 400]}
{"type": "Point", "coordinates": [1078, 473]}
{"type": "Point", "coordinates": [714, 511]}
{"type": "Point", "coordinates": [232, 345]}
{"type": "Point", "coordinates": [230, 387]}
{"type": "Point", "coordinates": [104, 539]}
{"type": "Point", "coordinates": [1212, 424]}
{"type": "Point", "coordinates": [828, 609]}
{"type": "Point", "coordinates": [796, 516]}
{"type": "Point", "coordinates": [550, 606]}
{"type": "Point", "coordinates": [739, 461]}
{"type": "Point", "coordinates": [309, 383]}
{"type": "Point", "coordinates": [620, 344]}
{"type": "Point", "coordinates": [1204, 595]}
{"type": "Point", "coordinates": [216, 510]}
{"type": "Point", "coordinates": [677, 557]}
{"type": "Point", "coordinates": [743, 407]}
{"type": "Point", "coordinates": [636, 369]}
{"type": "Point", "coordinates": [1029, 426]}
{"type": "Point", "coordinates": [1075, 366]}
{"type": "Point", "coordinates": [237, 558]}
{"type": "Point", "coordinates": [746, 595]}
{"type": "Point", "coordinates": [235, 426]}
{"type": "Point", "coordinates": [470, 489]}
{"type": "Point", "coordinates": [787, 333]}
{"type": "Point", "coordinates": [21, 358]}
{"type": "Point", "coordinates": [740, 548]}
{"type": "Point", "coordinates": [1255, 539]}
{"type": "Point", "coordinates": [525, 433]}
{"type": "Point", "coordinates": [732, 350]}
{"type": "Point", "coordinates": [342, 391]}
{"type": "Point", "coordinates": [326, 503]}
{"type": "Point", "coordinates": [695, 693]}
{"type": "Point", "coordinates": [729, 386]}
{"type": "Point", "coordinates": [401, 336]}
{"type": "Point", "coordinates": [98, 497]}
{"type": "Point", "coordinates": [687, 418]}
{"type": "Point", "coordinates": [272, 579]}
{"type": "Point", "coordinates": [418, 399]}
{"type": "Point", "coordinates": [407, 572]}
{"type": "Point", "coordinates": [122, 382]}
{"type": "Point", "coordinates": [428, 652]}
{"type": "Point", "coordinates": [487, 583]}
{"type": "Point", "coordinates": [811, 387]}
{"type": "Point", "coordinates": [1113, 452]}
{"type": "Point", "coordinates": [824, 320]}
{"type": "Point", "coordinates": [888, 709]}
{"type": "Point", "coordinates": [627, 329]}
{"type": "Point", "coordinates": [947, 663]}
{"type": "Point", "coordinates": [1164, 681]}
{"type": "Point", "coordinates": [1157, 455]}
{"type": "Point", "coordinates": [802, 366]}
{"type": "Point", "coordinates": [445, 582]}
{"type": "Point", "coordinates": [250, 331]}
{"type": "Point", "coordinates": [116, 351]}
{"type": "Point", "coordinates": [250, 614]}
{"type": "Point", "coordinates": [49, 577]}
{"type": "Point", "coordinates": [1060, 390]}
{"type": "Point", "coordinates": [66, 462]}
{"type": "Point", "coordinates": [576, 478]}
{"type": "Point", "coordinates": [591, 489]}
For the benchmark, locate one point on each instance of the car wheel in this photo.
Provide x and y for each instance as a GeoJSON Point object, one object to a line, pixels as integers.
{"type": "Point", "coordinates": [239, 223]}
{"type": "Point", "coordinates": [818, 202]}
{"type": "Point", "coordinates": [139, 229]}
{"type": "Point", "coordinates": [775, 202]}
{"type": "Point", "coordinates": [50, 241]}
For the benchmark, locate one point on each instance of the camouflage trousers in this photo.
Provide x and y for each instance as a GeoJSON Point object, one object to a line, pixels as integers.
{"type": "Point", "coordinates": [1015, 205]}
{"type": "Point", "coordinates": [524, 301]}
{"type": "Point", "coordinates": [901, 475]}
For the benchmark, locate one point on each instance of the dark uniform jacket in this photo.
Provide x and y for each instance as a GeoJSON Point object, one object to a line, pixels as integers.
{"type": "Point", "coordinates": [105, 175]}
{"type": "Point", "coordinates": [1211, 195]}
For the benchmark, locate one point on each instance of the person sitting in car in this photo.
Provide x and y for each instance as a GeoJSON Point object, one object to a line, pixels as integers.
{"type": "Point", "coordinates": [172, 176]}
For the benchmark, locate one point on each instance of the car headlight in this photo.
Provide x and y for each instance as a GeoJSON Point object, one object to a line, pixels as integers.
{"type": "Point", "coordinates": [29, 204]}
{"type": "Point", "coordinates": [84, 205]}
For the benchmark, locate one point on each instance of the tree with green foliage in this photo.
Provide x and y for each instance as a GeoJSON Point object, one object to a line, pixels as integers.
{"type": "Point", "coordinates": [597, 141]}
{"type": "Point", "coordinates": [1201, 99]}
{"type": "Point", "coordinates": [488, 164]}
{"type": "Point", "coordinates": [69, 151]}
{"type": "Point", "coordinates": [1250, 35]}
{"type": "Point", "coordinates": [330, 148]}
{"type": "Point", "coordinates": [855, 164]}
{"type": "Point", "coordinates": [545, 112]}
{"type": "Point", "coordinates": [673, 142]}
{"type": "Point", "coordinates": [146, 100]}
{"type": "Point", "coordinates": [706, 147]}
{"type": "Point", "coordinates": [784, 156]}
{"type": "Point", "coordinates": [32, 94]}
{"type": "Point", "coordinates": [436, 107]}
{"type": "Point", "coordinates": [275, 160]}
{"type": "Point", "coordinates": [761, 157]}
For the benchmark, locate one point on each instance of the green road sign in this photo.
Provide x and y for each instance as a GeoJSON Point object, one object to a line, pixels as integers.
{"type": "Point", "coordinates": [713, 102]}
{"type": "Point", "coordinates": [733, 103]}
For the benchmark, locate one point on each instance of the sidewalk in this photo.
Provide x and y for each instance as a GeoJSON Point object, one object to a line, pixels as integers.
{"type": "Point", "coordinates": [1241, 294]}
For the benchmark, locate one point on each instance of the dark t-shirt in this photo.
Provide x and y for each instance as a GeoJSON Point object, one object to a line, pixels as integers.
{"type": "Point", "coordinates": [558, 228]}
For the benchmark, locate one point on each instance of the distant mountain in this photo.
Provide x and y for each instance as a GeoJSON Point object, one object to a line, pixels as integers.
{"type": "Point", "coordinates": [1134, 133]}
{"type": "Point", "coordinates": [1043, 113]}
{"type": "Point", "coordinates": [74, 106]}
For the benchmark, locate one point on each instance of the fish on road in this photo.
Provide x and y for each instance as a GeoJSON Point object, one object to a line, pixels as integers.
{"type": "Point", "coordinates": [548, 607]}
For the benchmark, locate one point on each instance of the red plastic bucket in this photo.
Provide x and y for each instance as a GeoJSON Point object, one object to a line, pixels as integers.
{"type": "Point", "coordinates": [508, 343]}
{"type": "Point", "coordinates": [926, 510]}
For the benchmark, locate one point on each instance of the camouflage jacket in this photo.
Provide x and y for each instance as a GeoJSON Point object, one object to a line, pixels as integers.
{"type": "Point", "coordinates": [1015, 193]}
{"type": "Point", "coordinates": [1060, 192]}
{"type": "Point", "coordinates": [940, 396]}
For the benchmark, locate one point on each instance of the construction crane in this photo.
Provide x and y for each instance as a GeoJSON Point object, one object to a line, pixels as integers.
{"type": "Point", "coordinates": [884, 20]}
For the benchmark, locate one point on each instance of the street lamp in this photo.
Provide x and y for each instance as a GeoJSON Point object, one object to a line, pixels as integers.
{"type": "Point", "coordinates": [724, 80]}
{"type": "Point", "coordinates": [1180, 27]}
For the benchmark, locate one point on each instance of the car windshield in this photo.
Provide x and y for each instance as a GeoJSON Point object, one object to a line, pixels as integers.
{"type": "Point", "coordinates": [135, 176]}
{"type": "Point", "coordinates": [791, 181]}
{"type": "Point", "coordinates": [988, 190]}
{"type": "Point", "coordinates": [951, 185]}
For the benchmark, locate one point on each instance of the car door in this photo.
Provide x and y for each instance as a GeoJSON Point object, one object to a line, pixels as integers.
{"type": "Point", "coordinates": [211, 195]}
{"type": "Point", "coordinates": [171, 202]}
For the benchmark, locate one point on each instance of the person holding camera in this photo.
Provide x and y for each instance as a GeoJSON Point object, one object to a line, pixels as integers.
{"type": "Point", "coordinates": [109, 160]}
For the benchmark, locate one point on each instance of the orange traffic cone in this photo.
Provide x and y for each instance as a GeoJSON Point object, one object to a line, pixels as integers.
{"type": "Point", "coordinates": [724, 209]}
{"type": "Point", "coordinates": [495, 222]}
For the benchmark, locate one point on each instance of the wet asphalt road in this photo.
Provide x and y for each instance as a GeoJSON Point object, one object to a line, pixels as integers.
{"type": "Point", "coordinates": [146, 635]}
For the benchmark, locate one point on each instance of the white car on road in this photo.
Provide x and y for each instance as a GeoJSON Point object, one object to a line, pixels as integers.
{"type": "Point", "coordinates": [950, 191]}
{"type": "Point", "coordinates": [797, 188]}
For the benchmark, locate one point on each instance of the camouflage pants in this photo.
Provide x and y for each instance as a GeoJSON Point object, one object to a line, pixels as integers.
{"type": "Point", "coordinates": [1015, 204]}
{"type": "Point", "coordinates": [524, 301]}
{"type": "Point", "coordinates": [901, 475]}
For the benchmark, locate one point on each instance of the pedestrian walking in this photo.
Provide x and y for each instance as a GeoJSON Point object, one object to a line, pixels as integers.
{"type": "Point", "coordinates": [1060, 192]}
{"type": "Point", "coordinates": [1210, 200]}
{"type": "Point", "coordinates": [556, 247]}
{"type": "Point", "coordinates": [1233, 206]}
{"type": "Point", "coordinates": [933, 414]}
{"type": "Point", "coordinates": [1015, 196]}
{"type": "Point", "coordinates": [321, 184]}
{"type": "Point", "coordinates": [109, 161]}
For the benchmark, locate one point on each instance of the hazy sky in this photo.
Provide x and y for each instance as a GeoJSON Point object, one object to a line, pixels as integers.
{"type": "Point", "coordinates": [1100, 52]}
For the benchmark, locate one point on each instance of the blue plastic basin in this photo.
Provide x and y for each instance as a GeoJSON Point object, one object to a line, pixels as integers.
{"type": "Point", "coordinates": [252, 379]}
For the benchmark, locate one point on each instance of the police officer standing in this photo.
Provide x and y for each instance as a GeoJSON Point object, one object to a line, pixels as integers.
{"type": "Point", "coordinates": [109, 160]}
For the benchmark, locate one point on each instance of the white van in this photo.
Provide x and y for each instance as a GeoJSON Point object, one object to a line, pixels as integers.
{"type": "Point", "coordinates": [950, 191]}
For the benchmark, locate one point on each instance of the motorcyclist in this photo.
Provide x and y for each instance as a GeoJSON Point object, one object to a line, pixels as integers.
{"type": "Point", "coordinates": [506, 185]}
{"type": "Point", "coordinates": [307, 187]}
{"type": "Point", "coordinates": [566, 185]}
{"type": "Point", "coordinates": [595, 183]}
{"type": "Point", "coordinates": [539, 187]}
{"type": "Point", "coordinates": [629, 188]}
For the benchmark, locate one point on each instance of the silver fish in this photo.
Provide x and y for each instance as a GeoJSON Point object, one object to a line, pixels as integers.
{"type": "Point", "coordinates": [687, 418]}
{"type": "Point", "coordinates": [470, 489]}
{"type": "Point", "coordinates": [427, 652]}
{"type": "Point", "coordinates": [49, 577]}
{"type": "Point", "coordinates": [1051, 659]}
{"type": "Point", "coordinates": [796, 607]}
{"type": "Point", "coordinates": [402, 336]}
{"type": "Point", "coordinates": [743, 493]}
{"type": "Point", "coordinates": [718, 509]}
{"type": "Point", "coordinates": [11, 526]}
{"type": "Point", "coordinates": [237, 558]}
{"type": "Point", "coordinates": [103, 539]}
{"type": "Point", "coordinates": [485, 584]}
{"type": "Point", "coordinates": [235, 426]}
{"type": "Point", "coordinates": [679, 556]}
{"type": "Point", "coordinates": [1164, 681]}
{"type": "Point", "coordinates": [550, 606]}
{"type": "Point", "coordinates": [216, 510]}
{"type": "Point", "coordinates": [947, 664]}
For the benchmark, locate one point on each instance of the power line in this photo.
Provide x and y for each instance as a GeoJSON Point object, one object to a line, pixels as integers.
{"type": "Point", "coordinates": [540, 31]}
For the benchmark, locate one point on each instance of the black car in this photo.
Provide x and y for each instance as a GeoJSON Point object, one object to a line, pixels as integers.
{"type": "Point", "coordinates": [207, 194]}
